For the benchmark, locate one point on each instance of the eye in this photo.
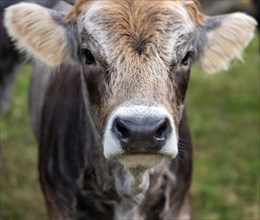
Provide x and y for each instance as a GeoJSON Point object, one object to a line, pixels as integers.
{"type": "Point", "coordinates": [87, 55]}
{"type": "Point", "coordinates": [187, 59]}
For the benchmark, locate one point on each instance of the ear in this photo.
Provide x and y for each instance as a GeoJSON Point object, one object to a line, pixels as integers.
{"type": "Point", "coordinates": [40, 32]}
{"type": "Point", "coordinates": [223, 38]}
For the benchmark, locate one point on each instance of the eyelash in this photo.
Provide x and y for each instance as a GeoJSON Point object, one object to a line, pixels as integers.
{"type": "Point", "coordinates": [88, 56]}
{"type": "Point", "coordinates": [187, 58]}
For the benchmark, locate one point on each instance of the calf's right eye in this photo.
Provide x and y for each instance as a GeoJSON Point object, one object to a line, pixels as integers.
{"type": "Point", "coordinates": [88, 56]}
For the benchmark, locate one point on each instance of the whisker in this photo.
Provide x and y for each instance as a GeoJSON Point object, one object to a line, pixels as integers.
{"type": "Point", "coordinates": [183, 145]}
{"type": "Point", "coordinates": [182, 150]}
{"type": "Point", "coordinates": [181, 139]}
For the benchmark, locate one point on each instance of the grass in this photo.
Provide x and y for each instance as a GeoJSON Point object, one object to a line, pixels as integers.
{"type": "Point", "coordinates": [224, 120]}
{"type": "Point", "coordinates": [20, 197]}
{"type": "Point", "coordinates": [223, 112]}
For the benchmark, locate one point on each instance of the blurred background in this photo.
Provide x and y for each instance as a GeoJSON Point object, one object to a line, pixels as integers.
{"type": "Point", "coordinates": [224, 126]}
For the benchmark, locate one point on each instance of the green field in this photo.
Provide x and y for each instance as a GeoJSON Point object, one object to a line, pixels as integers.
{"type": "Point", "coordinates": [223, 112]}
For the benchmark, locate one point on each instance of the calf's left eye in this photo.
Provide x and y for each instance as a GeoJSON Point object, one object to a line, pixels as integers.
{"type": "Point", "coordinates": [187, 59]}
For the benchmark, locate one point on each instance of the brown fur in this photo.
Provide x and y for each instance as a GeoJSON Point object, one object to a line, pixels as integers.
{"type": "Point", "coordinates": [137, 40]}
{"type": "Point", "coordinates": [192, 7]}
{"type": "Point", "coordinates": [139, 48]}
{"type": "Point", "coordinates": [193, 10]}
{"type": "Point", "coordinates": [72, 16]}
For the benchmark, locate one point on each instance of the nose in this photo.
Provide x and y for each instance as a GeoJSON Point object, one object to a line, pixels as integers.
{"type": "Point", "coordinates": [141, 134]}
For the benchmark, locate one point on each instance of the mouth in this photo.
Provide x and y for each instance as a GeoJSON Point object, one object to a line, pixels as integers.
{"type": "Point", "coordinates": [140, 136]}
{"type": "Point", "coordinates": [146, 160]}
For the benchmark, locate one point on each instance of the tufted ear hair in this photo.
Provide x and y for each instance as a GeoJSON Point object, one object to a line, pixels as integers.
{"type": "Point", "coordinates": [40, 32]}
{"type": "Point", "coordinates": [223, 38]}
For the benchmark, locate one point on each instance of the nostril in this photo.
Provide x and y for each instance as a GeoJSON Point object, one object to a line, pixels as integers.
{"type": "Point", "coordinates": [136, 133]}
{"type": "Point", "coordinates": [121, 130]}
{"type": "Point", "coordinates": [163, 130]}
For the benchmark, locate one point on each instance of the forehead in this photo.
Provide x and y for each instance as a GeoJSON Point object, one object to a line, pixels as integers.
{"type": "Point", "coordinates": [139, 11]}
{"type": "Point", "coordinates": [136, 17]}
{"type": "Point", "coordinates": [136, 26]}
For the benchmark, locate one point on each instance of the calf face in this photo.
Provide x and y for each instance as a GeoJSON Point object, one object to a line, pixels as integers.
{"type": "Point", "coordinates": [135, 59]}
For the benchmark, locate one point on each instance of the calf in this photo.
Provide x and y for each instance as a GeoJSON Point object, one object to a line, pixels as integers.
{"type": "Point", "coordinates": [107, 101]}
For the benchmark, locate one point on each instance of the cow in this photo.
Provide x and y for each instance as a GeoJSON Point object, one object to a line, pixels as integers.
{"type": "Point", "coordinates": [108, 100]}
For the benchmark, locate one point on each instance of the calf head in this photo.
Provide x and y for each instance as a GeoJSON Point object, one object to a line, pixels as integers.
{"type": "Point", "coordinates": [135, 58]}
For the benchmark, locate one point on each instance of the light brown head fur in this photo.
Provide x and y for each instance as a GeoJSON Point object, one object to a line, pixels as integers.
{"type": "Point", "coordinates": [141, 48]}
{"type": "Point", "coordinates": [192, 7]}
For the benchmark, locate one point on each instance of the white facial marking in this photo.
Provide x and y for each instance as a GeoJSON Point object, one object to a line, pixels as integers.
{"type": "Point", "coordinates": [113, 149]}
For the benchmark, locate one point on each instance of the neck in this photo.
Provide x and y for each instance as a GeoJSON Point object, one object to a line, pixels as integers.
{"type": "Point", "coordinates": [132, 184]}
